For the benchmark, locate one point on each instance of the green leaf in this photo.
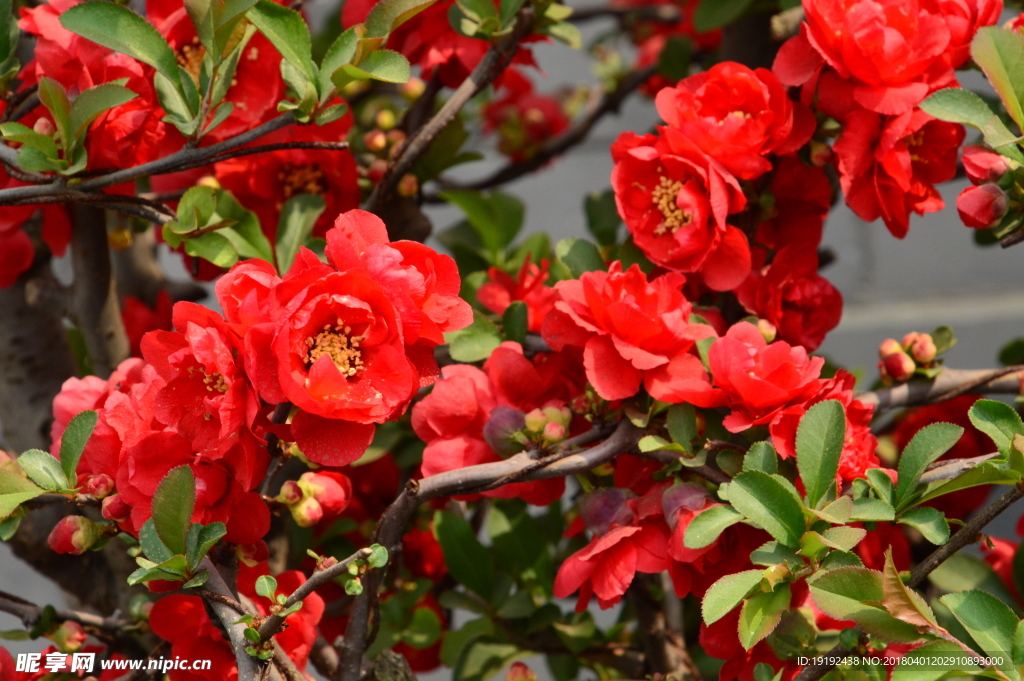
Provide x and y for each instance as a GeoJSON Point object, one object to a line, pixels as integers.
{"type": "Point", "coordinates": [761, 614]}
{"type": "Point", "coordinates": [774, 553]}
{"type": "Point", "coordinates": [378, 556]}
{"type": "Point", "coordinates": [929, 522]}
{"type": "Point", "coordinates": [15, 490]}
{"type": "Point", "coordinates": [152, 546]}
{"type": "Point", "coordinates": [92, 103]}
{"type": "Point", "coordinates": [843, 538]}
{"type": "Point", "coordinates": [577, 633]}
{"type": "Point", "coordinates": [989, 621]}
{"type": "Point", "coordinates": [515, 321]}
{"type": "Point", "coordinates": [384, 65]}
{"type": "Point", "coordinates": [957, 105]}
{"type": "Point", "coordinates": [708, 525]}
{"type": "Point", "coordinates": [266, 586]}
{"type": "Point", "coordinates": [819, 445]}
{"type": "Point", "coordinates": [298, 217]}
{"type": "Point", "coordinates": [579, 256]}
{"type": "Point", "coordinates": [458, 641]}
{"type": "Point", "coordinates": [872, 510]}
{"type": "Point", "coordinates": [1000, 54]}
{"type": "Point", "coordinates": [16, 132]}
{"type": "Point", "coordinates": [118, 28]}
{"type": "Point", "coordinates": [848, 593]}
{"type": "Point", "coordinates": [712, 14]}
{"type": "Point", "coordinates": [674, 59]}
{"type": "Point", "coordinates": [932, 661]}
{"type": "Point", "coordinates": [927, 445]}
{"type": "Point", "coordinates": [424, 629]}
{"type": "Point", "coordinates": [287, 31]}
{"type": "Point", "coordinates": [997, 420]}
{"type": "Point", "coordinates": [173, 504]}
{"type": "Point", "coordinates": [483, 659]}
{"type": "Point", "coordinates": [199, 579]}
{"type": "Point", "coordinates": [73, 441]}
{"type": "Point", "coordinates": [475, 342]}
{"type": "Point", "coordinates": [55, 99]}
{"type": "Point", "coordinates": [174, 569]}
{"type": "Point", "coordinates": [566, 33]}
{"type": "Point", "coordinates": [770, 504]}
{"type": "Point", "coordinates": [44, 470]}
{"type": "Point", "coordinates": [338, 54]}
{"type": "Point", "coordinates": [761, 457]}
{"type": "Point", "coordinates": [467, 559]}
{"type": "Point", "coordinates": [200, 539]}
{"type": "Point", "coordinates": [682, 425]}
{"type": "Point", "coordinates": [495, 217]}
{"type": "Point", "coordinates": [387, 15]}
{"type": "Point", "coordinates": [727, 593]}
{"type": "Point", "coordinates": [602, 216]}
{"type": "Point", "coordinates": [838, 512]}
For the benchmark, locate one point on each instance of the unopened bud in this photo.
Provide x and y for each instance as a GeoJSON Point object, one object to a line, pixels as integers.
{"type": "Point", "coordinates": [535, 420]}
{"type": "Point", "coordinates": [385, 119]}
{"type": "Point", "coordinates": [120, 239]}
{"type": "Point", "coordinates": [376, 170]}
{"type": "Point", "coordinates": [69, 637]}
{"type": "Point", "coordinates": [375, 141]}
{"type": "Point", "coordinates": [888, 347]}
{"type": "Point", "coordinates": [981, 164]}
{"type": "Point", "coordinates": [923, 349]}
{"type": "Point", "coordinates": [983, 206]}
{"type": "Point", "coordinates": [605, 507]}
{"type": "Point", "coordinates": [412, 88]}
{"type": "Point", "coordinates": [680, 497]}
{"type": "Point", "coordinates": [520, 672]}
{"type": "Point", "coordinates": [44, 126]}
{"type": "Point", "coordinates": [501, 428]}
{"type": "Point", "coordinates": [209, 181]}
{"type": "Point", "coordinates": [553, 432]}
{"type": "Point", "coordinates": [99, 486]}
{"type": "Point", "coordinates": [307, 512]}
{"type": "Point", "coordinates": [408, 185]}
{"type": "Point", "coordinates": [114, 508]}
{"type": "Point", "coordinates": [252, 555]}
{"type": "Point", "coordinates": [773, 576]}
{"type": "Point", "coordinates": [74, 534]}
{"type": "Point", "coordinates": [561, 415]}
{"type": "Point", "coordinates": [290, 493]}
{"type": "Point", "coordinates": [395, 137]}
{"type": "Point", "coordinates": [768, 330]}
{"type": "Point", "coordinates": [899, 365]}
{"type": "Point", "coordinates": [821, 154]}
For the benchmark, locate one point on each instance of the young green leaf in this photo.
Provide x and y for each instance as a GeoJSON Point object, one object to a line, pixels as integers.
{"type": "Point", "coordinates": [602, 216]}
{"type": "Point", "coordinates": [298, 217]}
{"type": "Point", "coordinates": [266, 586]}
{"type": "Point", "coordinates": [580, 256]}
{"type": "Point", "coordinates": [92, 103]}
{"type": "Point", "coordinates": [770, 504]}
{"type": "Point", "coordinates": [929, 522]}
{"type": "Point", "coordinates": [495, 217]}
{"type": "Point", "coordinates": [957, 105]}
{"type": "Point", "coordinates": [1000, 54]}
{"type": "Point", "coordinates": [44, 470]}
{"type": "Point", "coordinates": [173, 504]}
{"type": "Point", "coordinates": [122, 30]}
{"type": "Point", "coordinates": [387, 66]}
{"type": "Point", "coordinates": [681, 421]}
{"type": "Point", "coordinates": [928, 444]}
{"type": "Point", "coordinates": [933, 661]}
{"type": "Point", "coordinates": [819, 446]}
{"type": "Point", "coordinates": [849, 593]}
{"type": "Point", "coordinates": [200, 539]}
{"type": "Point", "coordinates": [73, 441]}
{"type": "Point", "coordinates": [761, 457]}
{"type": "Point", "coordinates": [712, 14]}
{"type": "Point", "coordinates": [999, 421]}
{"type": "Point", "coordinates": [378, 556]}
{"type": "Point", "coordinates": [55, 99]}
{"type": "Point", "coordinates": [708, 525]}
{"type": "Point", "coordinates": [387, 15]}
{"type": "Point", "coordinates": [341, 52]}
{"type": "Point", "coordinates": [989, 621]}
{"type": "Point", "coordinates": [515, 321]}
{"type": "Point", "coordinates": [152, 546]}
{"type": "Point", "coordinates": [475, 342]}
{"type": "Point", "coordinates": [287, 31]}
{"type": "Point", "coordinates": [15, 490]}
{"type": "Point", "coordinates": [761, 614]}
{"type": "Point", "coordinates": [727, 593]}
{"type": "Point", "coordinates": [467, 559]}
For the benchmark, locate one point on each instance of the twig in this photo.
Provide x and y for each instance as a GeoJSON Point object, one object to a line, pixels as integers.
{"type": "Point", "coordinates": [285, 665]}
{"type": "Point", "coordinates": [50, 499]}
{"type": "Point", "coordinates": [248, 667]}
{"type": "Point", "coordinates": [968, 534]}
{"type": "Point", "coordinates": [273, 624]}
{"type": "Point", "coordinates": [492, 64]}
{"type": "Point", "coordinates": [948, 384]}
{"type": "Point", "coordinates": [666, 13]}
{"type": "Point", "coordinates": [609, 103]}
{"type": "Point", "coordinates": [29, 614]}
{"type": "Point", "coordinates": [226, 600]}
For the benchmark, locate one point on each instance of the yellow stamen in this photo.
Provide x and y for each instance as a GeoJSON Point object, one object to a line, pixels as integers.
{"type": "Point", "coordinates": [339, 344]}
{"type": "Point", "coordinates": [664, 197]}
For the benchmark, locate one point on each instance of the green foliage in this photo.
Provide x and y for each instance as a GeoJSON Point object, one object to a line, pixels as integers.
{"type": "Point", "coordinates": [990, 622]}
{"type": "Point", "coordinates": [997, 420]}
{"type": "Point", "coordinates": [957, 105]}
{"type": "Point", "coordinates": [212, 225]}
{"type": "Point", "coordinates": [173, 503]}
{"type": "Point", "coordinates": [927, 445]}
{"type": "Point", "coordinates": [819, 445]}
{"type": "Point", "coordinates": [467, 559]}
{"type": "Point", "coordinates": [579, 256]}
{"type": "Point", "coordinates": [708, 525]}
{"type": "Point", "coordinates": [770, 503]}
{"type": "Point", "coordinates": [712, 14]}
{"type": "Point", "coordinates": [1000, 54]}
{"type": "Point", "coordinates": [515, 321]}
{"type": "Point", "coordinates": [475, 342]}
{"type": "Point", "coordinates": [602, 216]}
{"type": "Point", "coordinates": [727, 593]}
{"type": "Point", "coordinates": [761, 613]}
{"type": "Point", "coordinates": [15, 490]}
{"type": "Point", "coordinates": [73, 441]}
{"type": "Point", "coordinates": [298, 217]}
{"type": "Point", "coordinates": [44, 470]}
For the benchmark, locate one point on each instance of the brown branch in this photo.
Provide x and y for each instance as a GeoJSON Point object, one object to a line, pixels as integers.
{"type": "Point", "coordinates": [249, 668]}
{"type": "Point", "coordinates": [968, 534]}
{"type": "Point", "coordinates": [669, 14]}
{"type": "Point", "coordinates": [286, 667]}
{"type": "Point", "coordinates": [50, 499]}
{"type": "Point", "coordinates": [29, 614]}
{"type": "Point", "coordinates": [492, 64]}
{"type": "Point", "coordinates": [950, 383]}
{"type": "Point", "coordinates": [610, 102]}
{"type": "Point", "coordinates": [480, 476]}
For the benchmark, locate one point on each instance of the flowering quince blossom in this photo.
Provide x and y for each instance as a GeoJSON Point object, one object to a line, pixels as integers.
{"type": "Point", "coordinates": [523, 119]}
{"type": "Point", "coordinates": [470, 415]}
{"type": "Point", "coordinates": [984, 204]}
{"type": "Point", "coordinates": [528, 286]}
{"type": "Point", "coordinates": [632, 331]}
{"type": "Point", "coordinates": [182, 621]}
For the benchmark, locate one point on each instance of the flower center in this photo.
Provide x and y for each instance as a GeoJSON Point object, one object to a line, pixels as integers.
{"type": "Point", "coordinates": [338, 344]}
{"type": "Point", "coordinates": [304, 179]}
{"type": "Point", "coordinates": [190, 57]}
{"type": "Point", "coordinates": [664, 197]}
{"type": "Point", "coordinates": [214, 381]}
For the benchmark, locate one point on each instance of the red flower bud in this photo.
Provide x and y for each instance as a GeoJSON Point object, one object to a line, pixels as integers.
{"type": "Point", "coordinates": [605, 507]}
{"type": "Point", "coordinates": [252, 554]}
{"type": "Point", "coordinates": [984, 165]}
{"type": "Point", "coordinates": [307, 512]}
{"type": "Point", "coordinates": [983, 206]}
{"type": "Point", "coordinates": [69, 637]}
{"type": "Point", "coordinates": [767, 329]}
{"type": "Point", "coordinates": [290, 493]}
{"type": "Point", "coordinates": [899, 365]}
{"type": "Point", "coordinates": [520, 672]}
{"type": "Point", "coordinates": [331, 490]}
{"type": "Point", "coordinates": [554, 432]}
{"type": "Point", "coordinates": [375, 140]}
{"type": "Point", "coordinates": [821, 154]}
{"type": "Point", "coordinates": [888, 347]}
{"type": "Point", "coordinates": [74, 534]}
{"type": "Point", "coordinates": [115, 509]}
{"type": "Point", "coordinates": [408, 185]}
{"type": "Point", "coordinates": [99, 486]}
{"type": "Point", "coordinates": [501, 427]}
{"type": "Point", "coordinates": [44, 126]}
{"type": "Point", "coordinates": [376, 170]}
{"type": "Point", "coordinates": [535, 420]}
{"type": "Point", "coordinates": [923, 349]}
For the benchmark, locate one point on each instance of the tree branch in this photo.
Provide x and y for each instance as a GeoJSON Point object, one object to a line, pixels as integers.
{"type": "Point", "coordinates": [249, 668]}
{"type": "Point", "coordinates": [29, 614]}
{"type": "Point", "coordinates": [492, 64]}
{"type": "Point", "coordinates": [669, 14]}
{"type": "Point", "coordinates": [610, 102]}
{"type": "Point", "coordinates": [947, 385]}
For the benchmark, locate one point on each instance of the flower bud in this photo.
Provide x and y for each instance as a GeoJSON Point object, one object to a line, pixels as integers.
{"type": "Point", "coordinates": [115, 509]}
{"type": "Point", "coordinates": [767, 329]}
{"type": "Point", "coordinates": [99, 486]}
{"type": "Point", "coordinates": [385, 119]}
{"type": "Point", "coordinates": [553, 432]}
{"type": "Point", "coordinates": [331, 490]}
{"type": "Point", "coordinates": [520, 672]}
{"type": "Point", "coordinates": [375, 141]}
{"type": "Point", "coordinates": [683, 496]}
{"type": "Point", "coordinates": [501, 428]}
{"type": "Point", "coordinates": [307, 512]}
{"type": "Point", "coordinates": [74, 534]}
{"type": "Point", "coordinates": [120, 239]}
{"type": "Point", "coordinates": [252, 554]}
{"type": "Point", "coordinates": [604, 507]}
{"type": "Point", "coordinates": [376, 170]}
{"type": "Point", "coordinates": [395, 137]}
{"type": "Point", "coordinates": [408, 185]}
{"type": "Point", "coordinates": [923, 349]}
{"type": "Point", "coordinates": [535, 420]}
{"type": "Point", "coordinates": [290, 493]}
{"type": "Point", "coordinates": [69, 637]}
{"type": "Point", "coordinates": [888, 347]}
{"type": "Point", "coordinates": [821, 154]}
{"type": "Point", "coordinates": [209, 181]}
{"type": "Point", "coordinates": [899, 365]}
{"type": "Point", "coordinates": [412, 88]}
{"type": "Point", "coordinates": [983, 206]}
{"type": "Point", "coordinates": [44, 126]}
{"type": "Point", "coordinates": [984, 165]}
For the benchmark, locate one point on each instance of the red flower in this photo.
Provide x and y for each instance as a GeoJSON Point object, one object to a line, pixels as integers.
{"type": "Point", "coordinates": [758, 380]}
{"type": "Point", "coordinates": [642, 30]}
{"type": "Point", "coordinates": [737, 116]}
{"type": "Point", "coordinates": [720, 640]}
{"type": "Point", "coordinates": [675, 202]}
{"type": "Point", "coordinates": [523, 119]}
{"type": "Point", "coordinates": [296, 640]}
{"type": "Point", "coordinates": [791, 294]}
{"type": "Point", "coordinates": [964, 18]}
{"type": "Point", "coordinates": [454, 418]}
{"type": "Point", "coordinates": [982, 165]}
{"type": "Point", "coordinates": [246, 291]}
{"type": "Point", "coordinates": [423, 554]}
{"type": "Point", "coordinates": [207, 397]}
{"type": "Point", "coordinates": [885, 536]}
{"type": "Point", "coordinates": [1000, 556]}
{"type": "Point", "coordinates": [528, 286]}
{"type": "Point", "coordinates": [983, 206]}
{"type": "Point", "coordinates": [140, 318]}
{"type": "Point", "coordinates": [801, 200]}
{"type": "Point", "coordinates": [632, 331]}
{"type": "Point", "coordinates": [16, 255]}
{"type": "Point", "coordinates": [859, 444]}
{"type": "Point", "coordinates": [182, 621]}
{"type": "Point", "coordinates": [888, 166]}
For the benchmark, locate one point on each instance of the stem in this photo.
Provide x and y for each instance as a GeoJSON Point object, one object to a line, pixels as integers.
{"type": "Point", "coordinates": [249, 668]}
{"type": "Point", "coordinates": [950, 383]}
{"type": "Point", "coordinates": [29, 614]}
